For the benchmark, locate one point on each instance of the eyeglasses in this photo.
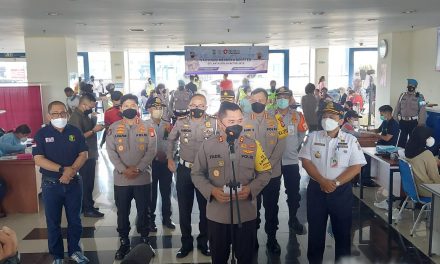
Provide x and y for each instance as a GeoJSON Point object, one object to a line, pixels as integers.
{"type": "Point", "coordinates": [58, 115]}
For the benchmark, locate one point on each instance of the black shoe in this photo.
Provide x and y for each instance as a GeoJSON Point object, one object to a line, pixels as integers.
{"type": "Point", "coordinates": [146, 240]}
{"type": "Point", "coordinates": [152, 227]}
{"type": "Point", "coordinates": [205, 250]}
{"type": "Point", "coordinates": [94, 214]}
{"type": "Point", "coordinates": [123, 250]}
{"type": "Point", "coordinates": [273, 246]}
{"type": "Point", "coordinates": [183, 252]}
{"type": "Point", "coordinates": [369, 184]}
{"type": "Point", "coordinates": [297, 228]}
{"type": "Point", "coordinates": [169, 224]}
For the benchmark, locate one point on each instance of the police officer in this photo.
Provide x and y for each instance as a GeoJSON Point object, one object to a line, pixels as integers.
{"type": "Point", "coordinates": [179, 100]}
{"type": "Point", "coordinates": [131, 146]}
{"type": "Point", "coordinates": [296, 126]}
{"type": "Point", "coordinates": [61, 185]}
{"type": "Point", "coordinates": [163, 94]}
{"type": "Point", "coordinates": [212, 171]}
{"type": "Point", "coordinates": [411, 110]}
{"type": "Point", "coordinates": [332, 158]}
{"type": "Point", "coordinates": [161, 174]}
{"type": "Point", "coordinates": [227, 96]}
{"type": "Point", "coordinates": [190, 131]}
{"type": "Point", "coordinates": [270, 131]}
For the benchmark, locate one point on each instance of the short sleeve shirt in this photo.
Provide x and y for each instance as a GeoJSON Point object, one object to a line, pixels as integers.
{"type": "Point", "coordinates": [62, 148]}
{"type": "Point", "coordinates": [389, 127]}
{"type": "Point", "coordinates": [332, 156]}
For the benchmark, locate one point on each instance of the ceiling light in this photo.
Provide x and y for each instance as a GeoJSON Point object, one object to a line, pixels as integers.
{"type": "Point", "coordinates": [235, 17]}
{"type": "Point", "coordinates": [412, 11]}
{"type": "Point", "coordinates": [296, 23]}
{"type": "Point", "coordinates": [318, 13]}
{"type": "Point", "coordinates": [268, 37]}
{"type": "Point", "coordinates": [146, 13]}
{"type": "Point", "coordinates": [53, 14]}
{"type": "Point", "coordinates": [158, 24]}
{"type": "Point", "coordinates": [372, 19]}
{"type": "Point", "coordinates": [319, 27]}
{"type": "Point", "coordinates": [81, 24]}
{"type": "Point", "coordinates": [136, 29]}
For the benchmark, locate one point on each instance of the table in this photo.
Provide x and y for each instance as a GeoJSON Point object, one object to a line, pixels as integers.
{"type": "Point", "coordinates": [434, 226]}
{"type": "Point", "coordinates": [384, 169]}
{"type": "Point", "coordinates": [367, 142]}
{"type": "Point", "coordinates": [22, 183]}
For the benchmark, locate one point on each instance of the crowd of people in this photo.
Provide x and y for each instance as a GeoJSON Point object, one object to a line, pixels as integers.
{"type": "Point", "coordinates": [233, 163]}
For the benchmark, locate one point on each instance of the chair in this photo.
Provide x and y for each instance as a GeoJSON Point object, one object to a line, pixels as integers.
{"type": "Point", "coordinates": [410, 188]}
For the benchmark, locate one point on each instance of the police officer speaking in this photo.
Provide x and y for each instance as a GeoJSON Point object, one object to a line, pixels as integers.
{"type": "Point", "coordinates": [331, 158]}
{"type": "Point", "coordinates": [131, 146]}
{"type": "Point", "coordinates": [61, 185]}
{"type": "Point", "coordinates": [411, 108]}
{"type": "Point", "coordinates": [190, 131]}
{"type": "Point", "coordinates": [211, 173]}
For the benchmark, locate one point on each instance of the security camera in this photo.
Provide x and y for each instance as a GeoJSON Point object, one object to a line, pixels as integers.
{"type": "Point", "coordinates": [361, 44]}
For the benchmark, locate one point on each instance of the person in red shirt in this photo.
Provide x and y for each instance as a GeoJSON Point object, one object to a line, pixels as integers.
{"type": "Point", "coordinates": [112, 114]}
{"type": "Point", "coordinates": [226, 84]}
{"type": "Point", "coordinates": [356, 99]}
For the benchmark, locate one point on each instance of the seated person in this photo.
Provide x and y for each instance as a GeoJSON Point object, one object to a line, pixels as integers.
{"type": "Point", "coordinates": [389, 129]}
{"type": "Point", "coordinates": [351, 122]}
{"type": "Point", "coordinates": [423, 162]}
{"type": "Point", "coordinates": [12, 142]}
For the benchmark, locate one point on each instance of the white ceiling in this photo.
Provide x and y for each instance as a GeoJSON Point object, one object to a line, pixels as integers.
{"type": "Point", "coordinates": [104, 24]}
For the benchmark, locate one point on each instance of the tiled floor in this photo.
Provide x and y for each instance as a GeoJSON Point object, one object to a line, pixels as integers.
{"type": "Point", "coordinates": [99, 239]}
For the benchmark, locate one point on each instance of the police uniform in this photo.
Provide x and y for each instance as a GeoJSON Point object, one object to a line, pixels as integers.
{"type": "Point", "coordinates": [213, 168]}
{"type": "Point", "coordinates": [331, 157]}
{"type": "Point", "coordinates": [179, 102]}
{"type": "Point", "coordinates": [411, 108]}
{"type": "Point", "coordinates": [61, 148]}
{"type": "Point", "coordinates": [190, 135]}
{"type": "Point", "coordinates": [270, 131]}
{"type": "Point", "coordinates": [133, 145]}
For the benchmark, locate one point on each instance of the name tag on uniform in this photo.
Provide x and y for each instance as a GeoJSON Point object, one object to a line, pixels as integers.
{"type": "Point", "coordinates": [49, 139]}
{"type": "Point", "coordinates": [291, 130]}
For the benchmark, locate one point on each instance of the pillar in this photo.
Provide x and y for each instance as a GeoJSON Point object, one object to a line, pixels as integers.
{"type": "Point", "coordinates": [321, 64]}
{"type": "Point", "coordinates": [118, 69]}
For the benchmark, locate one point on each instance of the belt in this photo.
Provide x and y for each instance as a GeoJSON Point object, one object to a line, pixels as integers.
{"type": "Point", "coordinates": [181, 111]}
{"type": "Point", "coordinates": [409, 118]}
{"type": "Point", "coordinates": [186, 163]}
{"type": "Point", "coordinates": [57, 180]}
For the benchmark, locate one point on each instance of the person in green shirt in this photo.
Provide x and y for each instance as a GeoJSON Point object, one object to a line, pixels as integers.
{"type": "Point", "coordinates": [271, 99]}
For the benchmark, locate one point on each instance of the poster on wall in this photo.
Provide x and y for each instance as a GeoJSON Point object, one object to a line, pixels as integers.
{"type": "Point", "coordinates": [437, 67]}
{"type": "Point", "coordinates": [226, 59]}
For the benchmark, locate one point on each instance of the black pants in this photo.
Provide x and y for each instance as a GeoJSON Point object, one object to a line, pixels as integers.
{"type": "Point", "coordinates": [185, 197]}
{"type": "Point", "coordinates": [270, 195]}
{"type": "Point", "coordinates": [337, 205]}
{"type": "Point", "coordinates": [163, 177]}
{"type": "Point", "coordinates": [292, 179]}
{"type": "Point", "coordinates": [87, 173]}
{"type": "Point", "coordinates": [220, 241]}
{"type": "Point", "coordinates": [123, 197]}
{"type": "Point", "coordinates": [406, 127]}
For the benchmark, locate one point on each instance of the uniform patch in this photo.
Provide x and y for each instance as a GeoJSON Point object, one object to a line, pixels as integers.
{"type": "Point", "coordinates": [49, 139]}
{"type": "Point", "coordinates": [152, 132]}
{"type": "Point", "coordinates": [248, 151]}
{"type": "Point", "coordinates": [120, 140]}
{"type": "Point", "coordinates": [221, 163]}
{"type": "Point", "coordinates": [141, 147]}
{"type": "Point", "coordinates": [317, 155]}
{"type": "Point", "coordinates": [72, 138]}
{"type": "Point", "coordinates": [120, 148]}
{"type": "Point", "coordinates": [208, 124]}
{"type": "Point", "coordinates": [141, 139]}
{"type": "Point", "coordinates": [216, 173]}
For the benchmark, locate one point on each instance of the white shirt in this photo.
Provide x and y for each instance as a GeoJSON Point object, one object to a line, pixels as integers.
{"type": "Point", "coordinates": [332, 156]}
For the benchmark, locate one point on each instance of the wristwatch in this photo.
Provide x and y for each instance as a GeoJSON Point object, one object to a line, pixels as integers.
{"type": "Point", "coordinates": [338, 183]}
{"type": "Point", "coordinates": [61, 170]}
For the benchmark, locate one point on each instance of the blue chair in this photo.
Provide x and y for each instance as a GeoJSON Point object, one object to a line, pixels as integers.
{"type": "Point", "coordinates": [410, 188]}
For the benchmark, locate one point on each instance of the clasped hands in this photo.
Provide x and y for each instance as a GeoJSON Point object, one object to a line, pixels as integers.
{"type": "Point", "coordinates": [68, 174]}
{"type": "Point", "coordinates": [223, 197]}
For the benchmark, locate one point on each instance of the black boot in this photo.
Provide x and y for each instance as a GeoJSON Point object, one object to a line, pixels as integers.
{"type": "Point", "coordinates": [124, 248]}
{"type": "Point", "coordinates": [273, 246]}
{"type": "Point", "coordinates": [296, 227]}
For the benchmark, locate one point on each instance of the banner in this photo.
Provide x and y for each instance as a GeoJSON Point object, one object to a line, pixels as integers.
{"type": "Point", "coordinates": [226, 59]}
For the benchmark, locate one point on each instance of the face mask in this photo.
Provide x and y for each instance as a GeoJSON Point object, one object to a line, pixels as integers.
{"type": "Point", "coordinates": [197, 113]}
{"type": "Point", "coordinates": [356, 123]}
{"type": "Point", "coordinates": [329, 124]}
{"type": "Point", "coordinates": [59, 122]}
{"type": "Point", "coordinates": [272, 89]}
{"type": "Point", "coordinates": [233, 132]}
{"type": "Point", "coordinates": [157, 114]}
{"type": "Point", "coordinates": [411, 89]}
{"type": "Point", "coordinates": [258, 107]}
{"type": "Point", "coordinates": [129, 113]}
{"type": "Point", "coordinates": [282, 103]}
{"type": "Point", "coordinates": [23, 139]}
{"type": "Point", "coordinates": [246, 106]}
{"type": "Point", "coordinates": [88, 112]}
{"type": "Point", "coordinates": [430, 142]}
{"type": "Point", "coordinates": [346, 109]}
{"type": "Point", "coordinates": [382, 118]}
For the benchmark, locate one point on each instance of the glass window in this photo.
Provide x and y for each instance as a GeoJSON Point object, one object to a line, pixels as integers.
{"type": "Point", "coordinates": [138, 70]}
{"type": "Point", "coordinates": [13, 71]}
{"type": "Point", "coordinates": [299, 74]}
{"type": "Point", "coordinates": [338, 68]}
{"type": "Point", "coordinates": [100, 66]}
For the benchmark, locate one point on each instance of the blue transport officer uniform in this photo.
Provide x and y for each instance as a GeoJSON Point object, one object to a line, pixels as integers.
{"type": "Point", "coordinates": [62, 148]}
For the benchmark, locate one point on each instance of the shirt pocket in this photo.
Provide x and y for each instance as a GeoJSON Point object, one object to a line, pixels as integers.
{"type": "Point", "coordinates": [246, 169]}
{"type": "Point", "coordinates": [343, 157]}
{"type": "Point", "coordinates": [317, 153]}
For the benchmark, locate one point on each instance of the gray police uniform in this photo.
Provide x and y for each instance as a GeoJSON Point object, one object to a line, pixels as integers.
{"type": "Point", "coordinates": [190, 134]}
{"type": "Point", "coordinates": [162, 176]}
{"type": "Point", "coordinates": [213, 168]}
{"type": "Point", "coordinates": [271, 133]}
{"type": "Point", "coordinates": [411, 108]}
{"type": "Point", "coordinates": [179, 102]}
{"type": "Point", "coordinates": [132, 146]}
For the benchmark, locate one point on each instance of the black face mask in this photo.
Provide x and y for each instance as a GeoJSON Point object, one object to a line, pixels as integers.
{"type": "Point", "coordinates": [233, 132]}
{"type": "Point", "coordinates": [258, 107]}
{"type": "Point", "coordinates": [129, 113]}
{"type": "Point", "coordinates": [411, 89]}
{"type": "Point", "coordinates": [197, 113]}
{"type": "Point", "coordinates": [346, 109]}
{"type": "Point", "coordinates": [88, 112]}
{"type": "Point", "coordinates": [181, 88]}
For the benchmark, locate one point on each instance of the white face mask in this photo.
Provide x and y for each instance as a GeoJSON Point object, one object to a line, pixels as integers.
{"type": "Point", "coordinates": [356, 123]}
{"type": "Point", "coordinates": [23, 139]}
{"type": "Point", "coordinates": [430, 142]}
{"type": "Point", "coordinates": [157, 113]}
{"type": "Point", "coordinates": [59, 122]}
{"type": "Point", "coordinates": [329, 124]}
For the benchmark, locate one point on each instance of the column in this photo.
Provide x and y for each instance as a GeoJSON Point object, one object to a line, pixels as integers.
{"type": "Point", "coordinates": [321, 64]}
{"type": "Point", "coordinates": [118, 69]}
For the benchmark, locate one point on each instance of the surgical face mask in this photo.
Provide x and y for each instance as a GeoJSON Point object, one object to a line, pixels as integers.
{"type": "Point", "coordinates": [258, 107]}
{"type": "Point", "coordinates": [356, 123]}
{"type": "Point", "coordinates": [382, 118]}
{"type": "Point", "coordinates": [329, 124]}
{"type": "Point", "coordinates": [282, 103]}
{"type": "Point", "coordinates": [129, 113]}
{"type": "Point", "coordinates": [59, 122]}
{"type": "Point", "coordinates": [24, 139]}
{"type": "Point", "coordinates": [156, 113]}
{"type": "Point", "coordinates": [430, 142]}
{"type": "Point", "coordinates": [88, 112]}
{"type": "Point", "coordinates": [246, 106]}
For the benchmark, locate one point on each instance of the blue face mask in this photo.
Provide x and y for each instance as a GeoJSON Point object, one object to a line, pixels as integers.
{"type": "Point", "coordinates": [382, 118]}
{"type": "Point", "coordinates": [282, 103]}
{"type": "Point", "coordinates": [246, 106]}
